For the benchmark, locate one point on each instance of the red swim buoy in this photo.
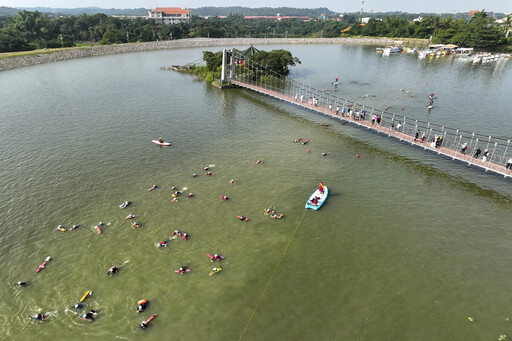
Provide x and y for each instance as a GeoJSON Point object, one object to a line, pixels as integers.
{"type": "Point", "coordinates": [307, 151]}
{"type": "Point", "coordinates": [357, 155]}
{"type": "Point", "coordinates": [403, 108]}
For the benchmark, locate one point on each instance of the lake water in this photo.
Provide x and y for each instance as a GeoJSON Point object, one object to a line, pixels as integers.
{"type": "Point", "coordinates": [408, 245]}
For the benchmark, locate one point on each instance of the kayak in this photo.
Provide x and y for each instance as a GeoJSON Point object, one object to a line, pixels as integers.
{"type": "Point", "coordinates": [87, 294]}
{"type": "Point", "coordinates": [44, 263]}
{"type": "Point", "coordinates": [144, 324]}
{"type": "Point", "coordinates": [161, 143]}
{"type": "Point", "coordinates": [321, 199]}
{"type": "Point", "coordinates": [215, 270]}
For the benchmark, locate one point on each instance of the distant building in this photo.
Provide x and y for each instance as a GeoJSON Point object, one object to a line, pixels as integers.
{"type": "Point", "coordinates": [473, 12]}
{"type": "Point", "coordinates": [276, 17]}
{"type": "Point", "coordinates": [418, 19]}
{"type": "Point", "coordinates": [170, 15]}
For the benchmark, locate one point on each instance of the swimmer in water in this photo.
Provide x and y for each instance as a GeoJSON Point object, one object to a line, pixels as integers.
{"type": "Point", "coordinates": [141, 305]}
{"type": "Point", "coordinates": [90, 315]}
{"type": "Point", "coordinates": [78, 306]}
{"type": "Point", "coordinates": [233, 181]}
{"type": "Point", "coordinates": [216, 257]}
{"type": "Point", "coordinates": [112, 270]}
{"type": "Point", "coordinates": [269, 211]}
{"type": "Point", "coordinates": [182, 270]}
{"type": "Point", "coordinates": [39, 317]}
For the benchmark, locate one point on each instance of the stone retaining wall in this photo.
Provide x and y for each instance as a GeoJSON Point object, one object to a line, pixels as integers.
{"type": "Point", "coordinates": [101, 50]}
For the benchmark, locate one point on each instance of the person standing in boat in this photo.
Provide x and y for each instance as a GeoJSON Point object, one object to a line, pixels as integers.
{"type": "Point", "coordinates": [321, 188]}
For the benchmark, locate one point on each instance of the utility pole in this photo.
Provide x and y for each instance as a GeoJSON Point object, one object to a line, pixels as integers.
{"type": "Point", "coordinates": [361, 13]}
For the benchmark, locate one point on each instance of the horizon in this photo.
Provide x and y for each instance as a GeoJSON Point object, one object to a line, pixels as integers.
{"type": "Point", "coordinates": [404, 6]}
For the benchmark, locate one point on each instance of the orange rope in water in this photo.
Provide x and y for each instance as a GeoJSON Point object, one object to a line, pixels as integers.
{"type": "Point", "coordinates": [271, 277]}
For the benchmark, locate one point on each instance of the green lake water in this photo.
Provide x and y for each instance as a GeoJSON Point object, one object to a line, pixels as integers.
{"type": "Point", "coordinates": [407, 246]}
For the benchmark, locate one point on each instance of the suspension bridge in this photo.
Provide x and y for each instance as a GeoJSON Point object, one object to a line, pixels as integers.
{"type": "Point", "coordinates": [485, 152]}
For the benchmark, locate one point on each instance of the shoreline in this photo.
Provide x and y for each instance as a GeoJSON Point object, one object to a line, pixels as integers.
{"type": "Point", "coordinates": [50, 56]}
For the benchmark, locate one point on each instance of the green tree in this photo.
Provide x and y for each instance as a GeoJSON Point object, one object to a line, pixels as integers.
{"type": "Point", "coordinates": [10, 40]}
{"type": "Point", "coordinates": [277, 61]}
{"type": "Point", "coordinates": [113, 36]}
{"type": "Point", "coordinates": [213, 60]}
{"type": "Point", "coordinates": [483, 32]}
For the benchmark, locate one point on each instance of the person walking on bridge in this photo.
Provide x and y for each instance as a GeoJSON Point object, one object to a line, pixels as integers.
{"type": "Point", "coordinates": [464, 148]}
{"type": "Point", "coordinates": [509, 164]}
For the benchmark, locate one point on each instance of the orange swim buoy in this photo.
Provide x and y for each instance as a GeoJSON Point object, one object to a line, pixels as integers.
{"type": "Point", "coordinates": [142, 302]}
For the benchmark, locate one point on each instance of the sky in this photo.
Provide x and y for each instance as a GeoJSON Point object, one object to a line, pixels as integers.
{"type": "Point", "coordinates": [410, 6]}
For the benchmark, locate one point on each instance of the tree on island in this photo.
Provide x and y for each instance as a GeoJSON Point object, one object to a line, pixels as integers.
{"type": "Point", "coordinates": [277, 62]}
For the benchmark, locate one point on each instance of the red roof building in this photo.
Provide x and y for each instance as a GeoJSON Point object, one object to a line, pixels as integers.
{"type": "Point", "coordinates": [170, 15]}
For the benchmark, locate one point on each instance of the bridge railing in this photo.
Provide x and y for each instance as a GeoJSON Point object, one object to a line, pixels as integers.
{"type": "Point", "coordinates": [253, 73]}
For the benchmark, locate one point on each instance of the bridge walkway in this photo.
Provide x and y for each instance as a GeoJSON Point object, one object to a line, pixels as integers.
{"type": "Point", "coordinates": [380, 128]}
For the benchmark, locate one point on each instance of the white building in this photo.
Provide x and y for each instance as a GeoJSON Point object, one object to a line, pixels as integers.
{"type": "Point", "coordinates": [170, 15]}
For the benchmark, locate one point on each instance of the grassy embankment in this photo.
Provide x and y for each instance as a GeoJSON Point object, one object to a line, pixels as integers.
{"type": "Point", "coordinates": [43, 51]}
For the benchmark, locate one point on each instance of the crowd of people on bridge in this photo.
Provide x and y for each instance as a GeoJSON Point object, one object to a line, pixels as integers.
{"type": "Point", "coordinates": [436, 142]}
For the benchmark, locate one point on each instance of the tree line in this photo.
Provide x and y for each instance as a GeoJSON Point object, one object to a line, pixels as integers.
{"type": "Point", "coordinates": [30, 30]}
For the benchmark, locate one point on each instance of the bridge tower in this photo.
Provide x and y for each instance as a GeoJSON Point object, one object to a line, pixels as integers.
{"type": "Point", "coordinates": [228, 64]}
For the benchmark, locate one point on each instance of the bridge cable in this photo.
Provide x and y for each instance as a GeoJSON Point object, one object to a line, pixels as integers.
{"type": "Point", "coordinates": [271, 277]}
